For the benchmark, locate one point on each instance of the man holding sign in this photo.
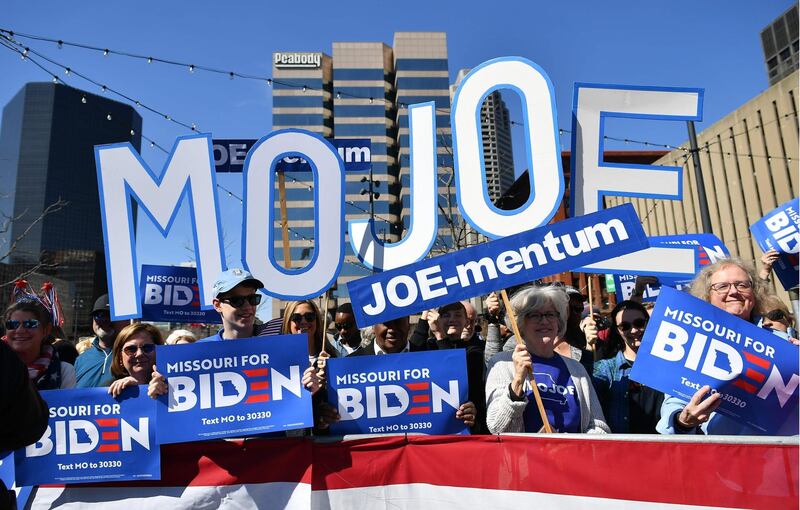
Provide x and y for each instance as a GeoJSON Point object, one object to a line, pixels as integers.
{"type": "Point", "coordinates": [418, 393]}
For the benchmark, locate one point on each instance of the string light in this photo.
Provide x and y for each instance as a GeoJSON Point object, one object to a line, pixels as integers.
{"type": "Point", "coordinates": [191, 68]}
{"type": "Point", "coordinates": [108, 117]}
{"type": "Point", "coordinates": [105, 52]}
{"type": "Point", "coordinates": [83, 99]}
{"type": "Point", "coordinates": [25, 50]}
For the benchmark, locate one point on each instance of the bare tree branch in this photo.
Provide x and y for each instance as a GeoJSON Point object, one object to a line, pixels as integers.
{"type": "Point", "coordinates": [50, 209]}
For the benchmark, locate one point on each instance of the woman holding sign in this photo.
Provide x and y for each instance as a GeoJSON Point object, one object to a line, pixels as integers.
{"type": "Point", "coordinates": [733, 286]}
{"type": "Point", "coordinates": [134, 356]}
{"type": "Point", "coordinates": [566, 391]}
{"type": "Point", "coordinates": [629, 407]}
{"type": "Point", "coordinates": [28, 333]}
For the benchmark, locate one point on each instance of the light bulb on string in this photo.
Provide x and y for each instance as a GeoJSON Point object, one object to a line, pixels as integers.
{"type": "Point", "coordinates": [152, 144]}
{"type": "Point", "coordinates": [67, 71]}
{"type": "Point", "coordinates": [230, 75]}
{"type": "Point", "coordinates": [149, 60]}
{"type": "Point", "coordinates": [103, 88]}
{"type": "Point", "coordinates": [133, 133]}
{"type": "Point", "coordinates": [305, 88]}
{"type": "Point", "coordinates": [269, 82]}
{"type": "Point", "coordinates": [194, 127]}
{"type": "Point", "coordinates": [108, 117]}
{"type": "Point", "coordinates": [191, 68]}
{"type": "Point", "coordinates": [105, 52]}
{"type": "Point", "coordinates": [83, 99]}
{"type": "Point", "coordinates": [55, 79]}
{"type": "Point", "coordinates": [60, 44]}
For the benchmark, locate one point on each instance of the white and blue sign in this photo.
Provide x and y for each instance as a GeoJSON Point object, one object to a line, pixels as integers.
{"type": "Point", "coordinates": [229, 156]}
{"type": "Point", "coordinates": [417, 392]}
{"type": "Point", "coordinates": [170, 294]}
{"type": "Point", "coordinates": [499, 264]}
{"type": "Point", "coordinates": [709, 249]}
{"type": "Point", "coordinates": [7, 468]}
{"type": "Point", "coordinates": [780, 230]}
{"type": "Point", "coordinates": [233, 388]}
{"type": "Point", "coordinates": [93, 437]}
{"type": "Point", "coordinates": [690, 343]}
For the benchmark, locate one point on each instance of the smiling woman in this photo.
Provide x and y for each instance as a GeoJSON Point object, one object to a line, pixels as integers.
{"type": "Point", "coordinates": [134, 356]}
{"type": "Point", "coordinates": [731, 285]}
{"type": "Point", "coordinates": [28, 333]}
{"type": "Point", "coordinates": [567, 395]}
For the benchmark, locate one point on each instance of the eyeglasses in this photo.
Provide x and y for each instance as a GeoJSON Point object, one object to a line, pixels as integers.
{"type": "Point", "coordinates": [776, 315]}
{"type": "Point", "coordinates": [131, 350]}
{"type": "Point", "coordinates": [723, 287]}
{"type": "Point", "coordinates": [299, 317]}
{"type": "Point", "coordinates": [637, 323]}
{"type": "Point", "coordinates": [101, 316]}
{"type": "Point", "coordinates": [27, 324]}
{"type": "Point", "coordinates": [239, 301]}
{"type": "Point", "coordinates": [539, 317]}
{"type": "Point", "coordinates": [343, 325]}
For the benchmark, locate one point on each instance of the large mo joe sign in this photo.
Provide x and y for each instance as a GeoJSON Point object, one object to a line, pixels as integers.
{"type": "Point", "coordinates": [189, 175]}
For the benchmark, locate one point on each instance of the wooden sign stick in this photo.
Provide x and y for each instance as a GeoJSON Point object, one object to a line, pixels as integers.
{"type": "Point", "coordinates": [536, 396]}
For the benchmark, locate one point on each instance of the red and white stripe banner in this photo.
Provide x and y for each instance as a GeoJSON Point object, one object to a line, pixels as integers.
{"type": "Point", "coordinates": [443, 472]}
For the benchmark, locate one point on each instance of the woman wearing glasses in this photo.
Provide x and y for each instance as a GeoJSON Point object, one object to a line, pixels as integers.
{"type": "Point", "coordinates": [28, 327]}
{"type": "Point", "coordinates": [733, 286]}
{"type": "Point", "coordinates": [565, 388]}
{"type": "Point", "coordinates": [134, 356]}
{"type": "Point", "coordinates": [629, 407]}
{"type": "Point", "coordinates": [304, 317]}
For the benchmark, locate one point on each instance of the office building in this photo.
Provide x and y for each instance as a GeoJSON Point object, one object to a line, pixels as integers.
{"type": "Point", "coordinates": [47, 140]}
{"type": "Point", "coordinates": [498, 154]}
{"type": "Point", "coordinates": [362, 92]}
{"type": "Point", "coordinates": [780, 44]}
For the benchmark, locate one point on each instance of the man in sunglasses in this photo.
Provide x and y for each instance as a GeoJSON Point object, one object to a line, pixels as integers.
{"type": "Point", "coordinates": [93, 367]}
{"type": "Point", "coordinates": [236, 299]}
{"type": "Point", "coordinates": [348, 336]}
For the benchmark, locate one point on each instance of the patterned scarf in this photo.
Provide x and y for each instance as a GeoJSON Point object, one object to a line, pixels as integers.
{"type": "Point", "coordinates": [46, 370]}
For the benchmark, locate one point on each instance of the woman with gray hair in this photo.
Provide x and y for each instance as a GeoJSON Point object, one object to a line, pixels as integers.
{"type": "Point", "coordinates": [566, 390]}
{"type": "Point", "coordinates": [731, 285]}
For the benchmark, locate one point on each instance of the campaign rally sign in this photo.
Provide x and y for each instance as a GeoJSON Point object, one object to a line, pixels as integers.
{"type": "Point", "coordinates": [690, 343]}
{"type": "Point", "coordinates": [233, 388]}
{"type": "Point", "coordinates": [170, 294]}
{"type": "Point", "coordinates": [7, 468]}
{"type": "Point", "coordinates": [709, 249]}
{"type": "Point", "coordinates": [499, 264]}
{"type": "Point", "coordinates": [780, 229]}
{"type": "Point", "coordinates": [417, 392]}
{"type": "Point", "coordinates": [93, 437]}
{"type": "Point", "coordinates": [229, 155]}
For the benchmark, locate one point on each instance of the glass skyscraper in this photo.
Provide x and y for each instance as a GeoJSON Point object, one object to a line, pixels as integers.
{"type": "Point", "coordinates": [363, 92]}
{"type": "Point", "coordinates": [47, 143]}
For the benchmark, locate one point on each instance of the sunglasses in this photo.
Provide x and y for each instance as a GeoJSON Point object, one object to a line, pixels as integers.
{"type": "Point", "coordinates": [131, 350]}
{"type": "Point", "coordinates": [101, 316]}
{"type": "Point", "coordinates": [299, 317]}
{"type": "Point", "coordinates": [627, 326]}
{"type": "Point", "coordinates": [27, 324]}
{"type": "Point", "coordinates": [344, 325]}
{"type": "Point", "coordinates": [239, 301]}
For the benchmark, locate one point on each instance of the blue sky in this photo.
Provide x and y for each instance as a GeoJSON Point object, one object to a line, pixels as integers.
{"type": "Point", "coordinates": [709, 44]}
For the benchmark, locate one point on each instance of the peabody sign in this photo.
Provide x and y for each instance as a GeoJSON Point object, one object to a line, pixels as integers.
{"type": "Point", "coordinates": [310, 60]}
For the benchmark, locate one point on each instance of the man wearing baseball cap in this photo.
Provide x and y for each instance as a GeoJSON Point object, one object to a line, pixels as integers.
{"type": "Point", "coordinates": [236, 299]}
{"type": "Point", "coordinates": [93, 366]}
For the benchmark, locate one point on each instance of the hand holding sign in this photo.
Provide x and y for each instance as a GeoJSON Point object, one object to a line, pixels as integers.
{"type": "Point", "coordinates": [467, 412]}
{"type": "Point", "coordinates": [767, 261]}
{"type": "Point", "coordinates": [522, 367]}
{"type": "Point", "coordinates": [699, 408]}
{"type": "Point", "coordinates": [158, 385]}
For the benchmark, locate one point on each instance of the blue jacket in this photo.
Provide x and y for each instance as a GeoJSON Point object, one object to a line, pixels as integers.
{"type": "Point", "coordinates": [93, 367]}
{"type": "Point", "coordinates": [612, 384]}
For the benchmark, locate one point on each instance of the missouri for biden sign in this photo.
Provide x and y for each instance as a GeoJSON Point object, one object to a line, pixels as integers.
{"type": "Point", "coordinates": [233, 388]}
{"type": "Point", "coordinates": [189, 176]}
{"type": "Point", "coordinates": [690, 343]}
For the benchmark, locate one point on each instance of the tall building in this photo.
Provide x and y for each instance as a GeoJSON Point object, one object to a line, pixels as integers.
{"type": "Point", "coordinates": [47, 144]}
{"type": "Point", "coordinates": [780, 44]}
{"type": "Point", "coordinates": [363, 92]}
{"type": "Point", "coordinates": [498, 154]}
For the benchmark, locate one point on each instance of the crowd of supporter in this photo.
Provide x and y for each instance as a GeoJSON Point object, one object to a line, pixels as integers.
{"type": "Point", "coordinates": [549, 343]}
